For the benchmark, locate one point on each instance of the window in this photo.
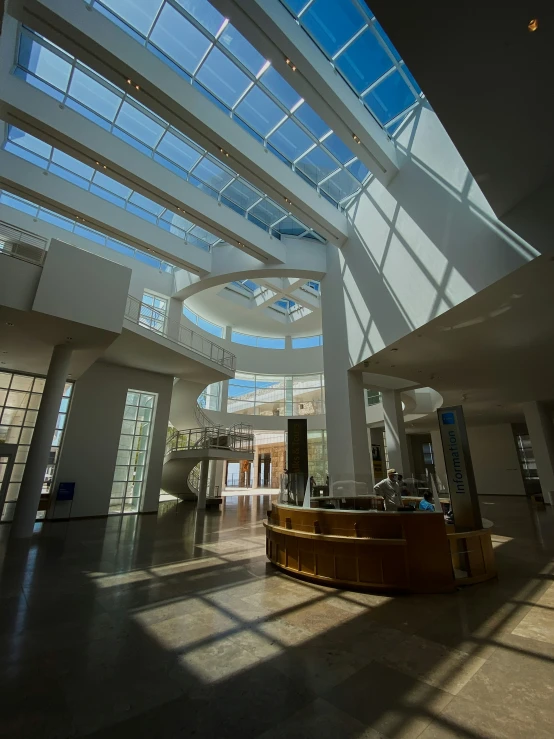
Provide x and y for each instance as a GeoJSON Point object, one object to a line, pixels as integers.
{"type": "Point", "coordinates": [207, 326]}
{"type": "Point", "coordinates": [373, 397]}
{"type": "Point", "coordinates": [43, 65]}
{"type": "Point", "coordinates": [266, 395]}
{"type": "Point", "coordinates": [133, 453]}
{"type": "Point", "coordinates": [307, 342]}
{"type": "Point", "coordinates": [153, 312]}
{"type": "Point", "coordinates": [258, 341]}
{"type": "Point", "coordinates": [428, 457]}
{"type": "Point", "coordinates": [43, 214]}
{"type": "Point", "coordinates": [228, 71]}
{"type": "Point", "coordinates": [210, 398]}
{"type": "Point", "coordinates": [20, 397]}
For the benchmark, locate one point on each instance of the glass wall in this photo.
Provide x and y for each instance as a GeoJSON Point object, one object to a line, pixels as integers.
{"type": "Point", "coordinates": [133, 453]}
{"type": "Point", "coordinates": [153, 312]}
{"type": "Point", "coordinates": [260, 342]}
{"type": "Point", "coordinates": [211, 328]}
{"type": "Point", "coordinates": [210, 399]}
{"type": "Point", "coordinates": [20, 397]}
{"type": "Point", "coordinates": [305, 342]}
{"type": "Point", "coordinates": [265, 395]}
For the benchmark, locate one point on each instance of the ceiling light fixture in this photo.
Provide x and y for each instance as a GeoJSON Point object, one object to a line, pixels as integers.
{"type": "Point", "coordinates": [291, 65]}
{"type": "Point", "coordinates": [356, 138]}
{"type": "Point", "coordinates": [533, 25]}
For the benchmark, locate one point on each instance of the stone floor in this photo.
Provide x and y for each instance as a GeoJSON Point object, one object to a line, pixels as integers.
{"type": "Point", "coordinates": [176, 626]}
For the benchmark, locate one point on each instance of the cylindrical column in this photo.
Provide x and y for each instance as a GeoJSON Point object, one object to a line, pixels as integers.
{"type": "Point", "coordinates": [41, 443]}
{"type": "Point", "coordinates": [395, 432]}
{"type": "Point", "coordinates": [203, 484]}
{"type": "Point", "coordinates": [211, 485]}
{"type": "Point", "coordinates": [541, 432]}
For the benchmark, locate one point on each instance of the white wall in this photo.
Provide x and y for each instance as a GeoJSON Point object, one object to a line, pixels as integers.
{"type": "Point", "coordinates": [18, 282]}
{"type": "Point", "coordinates": [82, 287]}
{"type": "Point", "coordinates": [92, 434]}
{"type": "Point", "coordinates": [421, 247]}
{"type": "Point", "coordinates": [495, 460]}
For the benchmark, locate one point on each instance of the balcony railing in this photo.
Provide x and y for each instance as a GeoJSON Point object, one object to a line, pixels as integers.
{"type": "Point", "coordinates": [155, 320]}
{"type": "Point", "coordinates": [238, 438]}
{"type": "Point", "coordinates": [15, 242]}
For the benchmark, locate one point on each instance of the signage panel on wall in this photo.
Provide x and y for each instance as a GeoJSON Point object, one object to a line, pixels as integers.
{"type": "Point", "coordinates": [297, 436]}
{"type": "Point", "coordinates": [459, 470]}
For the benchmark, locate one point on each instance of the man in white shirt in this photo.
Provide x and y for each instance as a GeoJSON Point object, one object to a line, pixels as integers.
{"type": "Point", "coordinates": [390, 490]}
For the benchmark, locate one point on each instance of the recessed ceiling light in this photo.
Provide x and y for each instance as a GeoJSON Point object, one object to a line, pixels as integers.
{"type": "Point", "coordinates": [533, 25]}
{"type": "Point", "coordinates": [9, 323]}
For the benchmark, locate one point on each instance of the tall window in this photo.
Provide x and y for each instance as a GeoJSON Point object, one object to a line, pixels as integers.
{"type": "Point", "coordinates": [133, 453]}
{"type": "Point", "coordinates": [210, 398]}
{"type": "Point", "coordinates": [20, 397]}
{"type": "Point", "coordinates": [153, 312]}
{"type": "Point", "coordinates": [211, 328]}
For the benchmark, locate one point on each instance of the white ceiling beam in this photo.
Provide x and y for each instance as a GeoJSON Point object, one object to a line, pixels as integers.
{"type": "Point", "coordinates": [304, 259]}
{"type": "Point", "coordinates": [30, 182]}
{"type": "Point", "coordinates": [39, 114]}
{"type": "Point", "coordinates": [274, 32]}
{"type": "Point", "coordinates": [110, 51]}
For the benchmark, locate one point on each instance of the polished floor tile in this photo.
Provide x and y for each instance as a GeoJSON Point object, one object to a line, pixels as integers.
{"type": "Point", "coordinates": [176, 626]}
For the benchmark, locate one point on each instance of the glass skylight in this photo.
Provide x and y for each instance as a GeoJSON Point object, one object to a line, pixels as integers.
{"type": "Point", "coordinates": [354, 42]}
{"type": "Point", "coordinates": [77, 227]}
{"type": "Point", "coordinates": [206, 50]}
{"type": "Point", "coordinates": [53, 160]}
{"type": "Point", "coordinates": [72, 83]}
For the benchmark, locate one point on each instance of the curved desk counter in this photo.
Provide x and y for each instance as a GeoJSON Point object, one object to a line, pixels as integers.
{"type": "Point", "coordinates": [409, 551]}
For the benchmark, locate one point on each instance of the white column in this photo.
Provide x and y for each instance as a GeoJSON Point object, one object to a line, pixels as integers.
{"type": "Point", "coordinates": [211, 478]}
{"type": "Point", "coordinates": [218, 475]}
{"type": "Point", "coordinates": [41, 443]}
{"type": "Point", "coordinates": [347, 445]}
{"type": "Point", "coordinates": [541, 432]}
{"type": "Point", "coordinates": [174, 314]}
{"type": "Point", "coordinates": [255, 464]}
{"type": "Point", "coordinates": [288, 342]}
{"type": "Point", "coordinates": [395, 432]}
{"type": "Point", "coordinates": [203, 484]}
{"type": "Point", "coordinates": [438, 457]}
{"type": "Point", "coordinates": [224, 395]}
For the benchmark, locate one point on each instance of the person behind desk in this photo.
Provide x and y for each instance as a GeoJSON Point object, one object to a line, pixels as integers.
{"type": "Point", "coordinates": [426, 504]}
{"type": "Point", "coordinates": [390, 490]}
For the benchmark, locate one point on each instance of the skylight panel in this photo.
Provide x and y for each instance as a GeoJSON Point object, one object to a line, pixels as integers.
{"type": "Point", "coordinates": [364, 61]}
{"type": "Point", "coordinates": [267, 212]}
{"type": "Point", "coordinates": [212, 174]}
{"type": "Point", "coordinates": [243, 50]}
{"type": "Point", "coordinates": [198, 43]}
{"type": "Point", "coordinates": [390, 97]}
{"type": "Point", "coordinates": [332, 23]}
{"type": "Point", "coordinates": [206, 14]}
{"type": "Point", "coordinates": [286, 94]}
{"type": "Point", "coordinates": [260, 112]}
{"type": "Point", "coordinates": [356, 45]}
{"type": "Point", "coordinates": [179, 39]}
{"type": "Point", "coordinates": [317, 165]}
{"type": "Point", "coordinates": [338, 149]}
{"type": "Point", "coordinates": [291, 140]}
{"type": "Point", "coordinates": [139, 14]}
{"type": "Point", "coordinates": [241, 194]}
{"type": "Point", "coordinates": [96, 96]}
{"type": "Point", "coordinates": [341, 185]}
{"type": "Point", "coordinates": [223, 78]}
{"type": "Point", "coordinates": [176, 150]}
{"type": "Point", "coordinates": [139, 125]}
{"type": "Point", "coordinates": [47, 65]}
{"type": "Point", "coordinates": [145, 131]}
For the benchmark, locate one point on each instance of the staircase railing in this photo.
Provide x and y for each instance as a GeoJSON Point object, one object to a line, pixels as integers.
{"type": "Point", "coordinates": [155, 320]}
{"type": "Point", "coordinates": [238, 438]}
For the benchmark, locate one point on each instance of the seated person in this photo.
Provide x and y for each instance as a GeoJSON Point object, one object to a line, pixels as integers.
{"type": "Point", "coordinates": [426, 504]}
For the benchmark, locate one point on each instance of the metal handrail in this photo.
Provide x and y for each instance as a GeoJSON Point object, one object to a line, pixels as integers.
{"type": "Point", "coordinates": [21, 244]}
{"type": "Point", "coordinates": [201, 417]}
{"type": "Point", "coordinates": [237, 438]}
{"type": "Point", "coordinates": [156, 320]}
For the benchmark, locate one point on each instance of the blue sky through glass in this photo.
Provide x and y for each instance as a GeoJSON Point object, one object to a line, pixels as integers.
{"type": "Point", "coordinates": [69, 224]}
{"type": "Point", "coordinates": [115, 110]}
{"type": "Point", "coordinates": [223, 65]}
{"type": "Point", "coordinates": [355, 43]}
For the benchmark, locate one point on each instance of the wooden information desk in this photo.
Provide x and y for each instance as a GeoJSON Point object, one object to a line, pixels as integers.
{"type": "Point", "coordinates": [407, 551]}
